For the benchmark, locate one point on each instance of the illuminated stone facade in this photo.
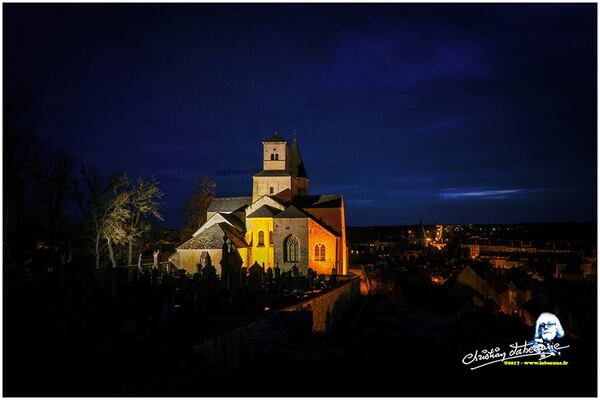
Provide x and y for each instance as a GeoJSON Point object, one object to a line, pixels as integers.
{"type": "Point", "coordinates": [280, 225]}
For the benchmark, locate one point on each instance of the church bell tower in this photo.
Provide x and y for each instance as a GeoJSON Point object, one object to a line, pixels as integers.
{"type": "Point", "coordinates": [275, 153]}
{"type": "Point", "coordinates": [283, 170]}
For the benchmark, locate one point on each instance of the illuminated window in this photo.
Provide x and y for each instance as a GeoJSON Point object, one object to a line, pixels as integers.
{"type": "Point", "coordinates": [291, 249]}
{"type": "Point", "coordinates": [322, 253]}
{"type": "Point", "coordinates": [317, 252]}
{"type": "Point", "coordinates": [261, 238]}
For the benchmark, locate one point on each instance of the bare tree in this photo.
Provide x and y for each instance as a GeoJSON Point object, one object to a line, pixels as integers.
{"type": "Point", "coordinates": [197, 206]}
{"type": "Point", "coordinates": [105, 210]}
{"type": "Point", "coordinates": [116, 217]}
{"type": "Point", "coordinates": [144, 201]}
{"type": "Point", "coordinates": [117, 213]}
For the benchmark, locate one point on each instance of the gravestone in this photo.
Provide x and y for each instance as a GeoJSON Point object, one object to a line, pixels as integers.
{"type": "Point", "coordinates": [225, 269]}
{"type": "Point", "coordinates": [256, 275]}
{"type": "Point", "coordinates": [204, 261]}
{"type": "Point", "coordinates": [209, 278]}
{"type": "Point", "coordinates": [277, 273]}
{"type": "Point", "coordinates": [231, 266]}
{"type": "Point", "coordinates": [310, 276]}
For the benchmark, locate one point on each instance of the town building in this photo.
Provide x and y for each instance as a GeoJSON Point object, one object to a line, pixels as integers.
{"type": "Point", "coordinates": [280, 225]}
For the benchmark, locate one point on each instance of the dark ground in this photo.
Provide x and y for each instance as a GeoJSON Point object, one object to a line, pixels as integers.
{"type": "Point", "coordinates": [391, 344]}
{"type": "Point", "coordinates": [394, 351]}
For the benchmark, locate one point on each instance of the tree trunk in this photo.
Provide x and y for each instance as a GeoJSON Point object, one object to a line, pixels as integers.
{"type": "Point", "coordinates": [132, 228]}
{"type": "Point", "coordinates": [130, 253]}
{"type": "Point", "coordinates": [111, 253]}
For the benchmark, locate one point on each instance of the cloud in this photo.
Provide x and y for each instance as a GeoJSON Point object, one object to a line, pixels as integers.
{"type": "Point", "coordinates": [474, 193]}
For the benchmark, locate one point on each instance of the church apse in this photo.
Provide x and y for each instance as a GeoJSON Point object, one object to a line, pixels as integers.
{"type": "Point", "coordinates": [322, 245]}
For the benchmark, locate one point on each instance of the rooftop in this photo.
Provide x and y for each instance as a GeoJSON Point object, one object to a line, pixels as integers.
{"type": "Point", "coordinates": [319, 201]}
{"type": "Point", "coordinates": [275, 137]}
{"type": "Point", "coordinates": [212, 238]}
{"type": "Point", "coordinates": [273, 172]}
{"type": "Point", "coordinates": [229, 204]}
{"type": "Point", "coordinates": [264, 211]}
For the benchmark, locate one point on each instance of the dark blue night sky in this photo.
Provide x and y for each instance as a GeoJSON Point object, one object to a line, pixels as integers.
{"type": "Point", "coordinates": [452, 113]}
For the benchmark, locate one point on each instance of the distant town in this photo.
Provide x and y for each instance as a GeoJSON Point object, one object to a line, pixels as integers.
{"type": "Point", "coordinates": [513, 269]}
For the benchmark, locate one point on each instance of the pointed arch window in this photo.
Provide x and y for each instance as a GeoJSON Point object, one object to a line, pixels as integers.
{"type": "Point", "coordinates": [277, 156]}
{"type": "Point", "coordinates": [291, 249]}
{"type": "Point", "coordinates": [272, 156]}
{"type": "Point", "coordinates": [317, 252]}
{"type": "Point", "coordinates": [261, 239]}
{"type": "Point", "coordinates": [322, 255]}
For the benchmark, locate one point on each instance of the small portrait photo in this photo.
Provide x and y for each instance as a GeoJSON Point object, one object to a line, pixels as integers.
{"type": "Point", "coordinates": [548, 328]}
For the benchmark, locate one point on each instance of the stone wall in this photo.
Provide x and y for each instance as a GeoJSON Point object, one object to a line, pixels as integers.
{"type": "Point", "coordinates": [221, 354]}
{"type": "Point", "coordinates": [262, 184]}
{"type": "Point", "coordinates": [330, 308]}
{"type": "Point", "coordinates": [284, 227]}
{"type": "Point", "coordinates": [336, 219]}
{"type": "Point", "coordinates": [188, 259]}
{"type": "Point", "coordinates": [317, 235]}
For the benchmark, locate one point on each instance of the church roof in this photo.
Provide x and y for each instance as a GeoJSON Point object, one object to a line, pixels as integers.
{"type": "Point", "coordinates": [292, 212]}
{"type": "Point", "coordinates": [212, 238]}
{"type": "Point", "coordinates": [295, 212]}
{"type": "Point", "coordinates": [319, 201]}
{"type": "Point", "coordinates": [296, 165]}
{"type": "Point", "coordinates": [222, 217]}
{"type": "Point", "coordinates": [235, 221]}
{"type": "Point", "coordinates": [273, 172]}
{"type": "Point", "coordinates": [284, 197]}
{"type": "Point", "coordinates": [274, 138]}
{"type": "Point", "coordinates": [229, 204]}
{"type": "Point", "coordinates": [264, 211]}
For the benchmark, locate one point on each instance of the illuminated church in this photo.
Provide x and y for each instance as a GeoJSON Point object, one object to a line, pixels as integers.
{"type": "Point", "coordinates": [280, 225]}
